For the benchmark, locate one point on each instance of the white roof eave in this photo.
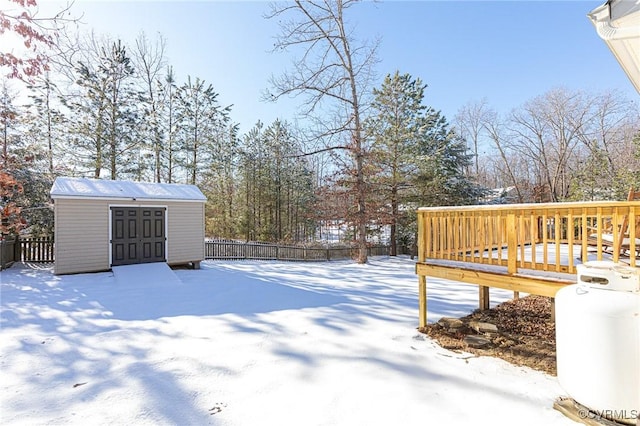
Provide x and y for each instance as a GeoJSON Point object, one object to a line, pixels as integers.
{"type": "Point", "coordinates": [622, 34]}
{"type": "Point", "coordinates": [82, 188]}
{"type": "Point", "coordinates": [124, 200]}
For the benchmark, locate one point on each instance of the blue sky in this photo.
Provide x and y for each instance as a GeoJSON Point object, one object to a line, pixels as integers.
{"type": "Point", "coordinates": [505, 51]}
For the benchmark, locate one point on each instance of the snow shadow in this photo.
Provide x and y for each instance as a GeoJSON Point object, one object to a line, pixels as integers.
{"type": "Point", "coordinates": [209, 291]}
{"type": "Point", "coordinates": [351, 292]}
{"type": "Point", "coordinates": [64, 345]}
{"type": "Point", "coordinates": [168, 350]}
{"type": "Point", "coordinates": [385, 288]}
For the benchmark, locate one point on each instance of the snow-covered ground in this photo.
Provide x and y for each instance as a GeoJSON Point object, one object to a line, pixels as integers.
{"type": "Point", "coordinates": [251, 343]}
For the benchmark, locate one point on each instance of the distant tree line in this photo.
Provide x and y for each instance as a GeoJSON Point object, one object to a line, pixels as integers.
{"type": "Point", "coordinates": [563, 145]}
{"type": "Point", "coordinates": [367, 158]}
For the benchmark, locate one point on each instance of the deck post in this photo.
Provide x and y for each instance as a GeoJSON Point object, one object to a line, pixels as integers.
{"type": "Point", "coordinates": [483, 295]}
{"type": "Point", "coordinates": [512, 244]}
{"type": "Point", "coordinates": [422, 279]}
{"type": "Point", "coordinates": [422, 300]}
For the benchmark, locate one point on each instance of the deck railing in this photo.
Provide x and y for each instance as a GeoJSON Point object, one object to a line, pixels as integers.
{"type": "Point", "coordinates": [491, 246]}
{"type": "Point", "coordinates": [505, 234]}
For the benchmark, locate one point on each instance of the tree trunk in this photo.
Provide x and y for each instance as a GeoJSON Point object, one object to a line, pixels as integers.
{"type": "Point", "coordinates": [394, 221]}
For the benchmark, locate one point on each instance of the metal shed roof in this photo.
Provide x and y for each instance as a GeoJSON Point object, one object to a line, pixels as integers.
{"type": "Point", "coordinates": [68, 187]}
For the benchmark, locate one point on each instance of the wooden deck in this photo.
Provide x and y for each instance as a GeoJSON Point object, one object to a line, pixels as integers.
{"type": "Point", "coordinates": [521, 247]}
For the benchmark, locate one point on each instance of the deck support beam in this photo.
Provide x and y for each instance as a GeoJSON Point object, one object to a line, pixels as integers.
{"type": "Point", "coordinates": [532, 284]}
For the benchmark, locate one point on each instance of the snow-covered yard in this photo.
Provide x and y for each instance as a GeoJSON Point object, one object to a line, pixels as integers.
{"type": "Point", "coordinates": [251, 343]}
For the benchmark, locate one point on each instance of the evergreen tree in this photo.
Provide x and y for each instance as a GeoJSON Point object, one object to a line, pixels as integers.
{"type": "Point", "coordinates": [220, 184]}
{"type": "Point", "coordinates": [415, 159]}
{"type": "Point", "coordinates": [149, 61]}
{"type": "Point", "coordinates": [251, 158]}
{"type": "Point", "coordinates": [105, 112]}
{"type": "Point", "coordinates": [117, 72]}
{"type": "Point", "coordinates": [169, 120]}
{"type": "Point", "coordinates": [201, 119]}
{"type": "Point", "coordinates": [46, 122]}
{"type": "Point", "coordinates": [287, 179]}
{"type": "Point", "coordinates": [395, 127]}
{"type": "Point", "coordinates": [276, 187]}
{"type": "Point", "coordinates": [88, 122]}
{"type": "Point", "coordinates": [8, 121]}
{"type": "Point", "coordinates": [25, 170]}
{"type": "Point", "coordinates": [442, 157]}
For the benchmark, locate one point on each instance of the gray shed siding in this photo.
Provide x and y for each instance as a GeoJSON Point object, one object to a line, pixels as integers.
{"type": "Point", "coordinates": [185, 227]}
{"type": "Point", "coordinates": [81, 236]}
{"type": "Point", "coordinates": [82, 232]}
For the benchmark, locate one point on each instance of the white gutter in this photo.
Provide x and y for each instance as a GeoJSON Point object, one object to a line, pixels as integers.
{"type": "Point", "coordinates": [602, 17]}
{"type": "Point", "coordinates": [623, 40]}
{"type": "Point", "coordinates": [608, 32]}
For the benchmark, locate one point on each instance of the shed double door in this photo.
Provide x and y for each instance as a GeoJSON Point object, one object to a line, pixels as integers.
{"type": "Point", "coordinates": [137, 235]}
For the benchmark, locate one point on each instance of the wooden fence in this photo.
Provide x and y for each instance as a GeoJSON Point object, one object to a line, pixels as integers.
{"type": "Point", "coordinates": [9, 252]}
{"type": "Point", "coordinates": [40, 250]}
{"type": "Point", "coordinates": [502, 246]}
{"type": "Point", "coordinates": [25, 249]}
{"type": "Point", "coordinates": [36, 250]}
{"type": "Point", "coordinates": [234, 250]}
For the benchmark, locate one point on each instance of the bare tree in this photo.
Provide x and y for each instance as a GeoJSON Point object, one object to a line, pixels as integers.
{"type": "Point", "coordinates": [609, 141]}
{"type": "Point", "coordinates": [332, 70]}
{"type": "Point", "coordinates": [546, 129]}
{"type": "Point", "coordinates": [470, 121]}
{"type": "Point", "coordinates": [21, 22]}
{"type": "Point", "coordinates": [567, 145]}
{"type": "Point", "coordinates": [494, 127]}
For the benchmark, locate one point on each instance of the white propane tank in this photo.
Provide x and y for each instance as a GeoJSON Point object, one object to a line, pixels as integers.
{"type": "Point", "coordinates": [598, 339]}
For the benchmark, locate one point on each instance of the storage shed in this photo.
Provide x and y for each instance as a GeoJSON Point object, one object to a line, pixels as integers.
{"type": "Point", "coordinates": [105, 223]}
